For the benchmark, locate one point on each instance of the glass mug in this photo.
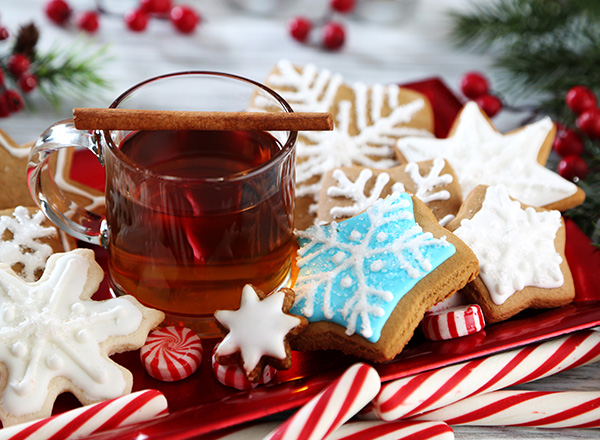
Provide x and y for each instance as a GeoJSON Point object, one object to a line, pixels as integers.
{"type": "Point", "coordinates": [191, 216]}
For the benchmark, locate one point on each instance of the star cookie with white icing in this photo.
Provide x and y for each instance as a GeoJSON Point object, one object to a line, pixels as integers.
{"type": "Point", "coordinates": [55, 339]}
{"type": "Point", "coordinates": [365, 283]}
{"type": "Point", "coordinates": [521, 252]}
{"type": "Point", "coordinates": [347, 192]}
{"type": "Point", "coordinates": [258, 333]}
{"type": "Point", "coordinates": [368, 120]}
{"type": "Point", "coordinates": [481, 155]}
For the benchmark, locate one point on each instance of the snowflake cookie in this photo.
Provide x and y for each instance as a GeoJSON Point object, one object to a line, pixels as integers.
{"type": "Point", "coordinates": [365, 283]}
{"type": "Point", "coordinates": [521, 252]}
{"type": "Point", "coordinates": [481, 155]}
{"type": "Point", "coordinates": [368, 120]}
{"type": "Point", "coordinates": [348, 191]}
{"type": "Point", "coordinates": [55, 339]}
{"type": "Point", "coordinates": [258, 333]}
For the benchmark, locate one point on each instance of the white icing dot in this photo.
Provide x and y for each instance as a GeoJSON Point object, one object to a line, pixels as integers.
{"type": "Point", "coordinates": [347, 282]}
{"type": "Point", "coordinates": [77, 308]}
{"type": "Point", "coordinates": [8, 314]}
{"type": "Point", "coordinates": [54, 362]}
{"type": "Point", "coordinates": [355, 235]}
{"type": "Point", "coordinates": [18, 349]}
{"type": "Point", "coordinates": [83, 336]}
{"type": "Point", "coordinates": [377, 265]}
{"type": "Point", "coordinates": [339, 257]}
{"type": "Point", "coordinates": [382, 236]}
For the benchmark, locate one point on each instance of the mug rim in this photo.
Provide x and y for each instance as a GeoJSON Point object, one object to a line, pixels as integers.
{"type": "Point", "coordinates": [278, 157]}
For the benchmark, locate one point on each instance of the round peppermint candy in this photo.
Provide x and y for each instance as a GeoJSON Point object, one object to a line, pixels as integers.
{"type": "Point", "coordinates": [171, 353]}
{"type": "Point", "coordinates": [234, 376]}
{"type": "Point", "coordinates": [453, 322]}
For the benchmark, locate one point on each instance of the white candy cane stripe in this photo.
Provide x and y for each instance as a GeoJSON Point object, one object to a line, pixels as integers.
{"type": "Point", "coordinates": [80, 422]}
{"type": "Point", "coordinates": [547, 409]}
{"type": "Point", "coordinates": [336, 404]}
{"type": "Point", "coordinates": [233, 376]}
{"type": "Point", "coordinates": [453, 323]}
{"type": "Point", "coordinates": [171, 353]}
{"type": "Point", "coordinates": [434, 389]}
{"type": "Point", "coordinates": [399, 430]}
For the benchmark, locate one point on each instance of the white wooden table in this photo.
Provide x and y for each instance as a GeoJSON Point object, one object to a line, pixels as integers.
{"type": "Point", "coordinates": [232, 40]}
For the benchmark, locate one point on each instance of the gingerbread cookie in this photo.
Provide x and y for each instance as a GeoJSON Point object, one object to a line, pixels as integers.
{"type": "Point", "coordinates": [55, 339]}
{"type": "Point", "coordinates": [349, 191]}
{"type": "Point", "coordinates": [368, 119]}
{"type": "Point", "coordinates": [481, 155]}
{"type": "Point", "coordinates": [520, 250]}
{"type": "Point", "coordinates": [257, 334]}
{"type": "Point", "coordinates": [27, 239]}
{"type": "Point", "coordinates": [365, 283]}
{"type": "Point", "coordinates": [13, 178]}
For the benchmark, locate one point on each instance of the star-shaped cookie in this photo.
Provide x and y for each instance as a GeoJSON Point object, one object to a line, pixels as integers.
{"type": "Point", "coordinates": [257, 333]}
{"type": "Point", "coordinates": [481, 155]}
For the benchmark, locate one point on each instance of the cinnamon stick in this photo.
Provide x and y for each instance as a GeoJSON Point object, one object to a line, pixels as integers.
{"type": "Point", "coordinates": [136, 119]}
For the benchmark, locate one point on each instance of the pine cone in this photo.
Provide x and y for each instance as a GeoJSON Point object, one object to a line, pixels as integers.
{"type": "Point", "coordinates": [27, 38]}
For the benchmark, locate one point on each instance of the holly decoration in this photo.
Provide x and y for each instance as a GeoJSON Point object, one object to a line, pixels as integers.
{"type": "Point", "coordinates": [548, 49]}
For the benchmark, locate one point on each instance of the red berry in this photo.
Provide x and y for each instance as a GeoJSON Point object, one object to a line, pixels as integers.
{"type": "Point", "coordinates": [573, 167]}
{"type": "Point", "coordinates": [3, 33]}
{"type": "Point", "coordinates": [333, 35]}
{"type": "Point", "coordinates": [343, 6]}
{"type": "Point", "coordinates": [1, 77]}
{"type": "Point", "coordinates": [156, 6]}
{"type": "Point", "coordinates": [184, 18]}
{"type": "Point", "coordinates": [18, 64]}
{"type": "Point", "coordinates": [299, 28]}
{"type": "Point", "coordinates": [490, 104]}
{"type": "Point", "coordinates": [136, 20]}
{"type": "Point", "coordinates": [580, 98]}
{"type": "Point", "coordinates": [88, 21]}
{"type": "Point", "coordinates": [58, 11]}
{"type": "Point", "coordinates": [27, 82]}
{"type": "Point", "coordinates": [14, 100]}
{"type": "Point", "coordinates": [589, 122]}
{"type": "Point", "coordinates": [474, 84]}
{"type": "Point", "coordinates": [567, 143]}
{"type": "Point", "coordinates": [4, 110]}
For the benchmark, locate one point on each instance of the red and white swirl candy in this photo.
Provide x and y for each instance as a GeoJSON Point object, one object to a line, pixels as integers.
{"type": "Point", "coordinates": [171, 353]}
{"type": "Point", "coordinates": [413, 395]}
{"type": "Point", "coordinates": [331, 408]}
{"type": "Point", "coordinates": [547, 409]}
{"type": "Point", "coordinates": [81, 422]}
{"type": "Point", "coordinates": [453, 322]}
{"type": "Point", "coordinates": [235, 377]}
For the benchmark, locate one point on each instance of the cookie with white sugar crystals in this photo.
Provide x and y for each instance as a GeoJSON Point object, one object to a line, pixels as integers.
{"type": "Point", "coordinates": [368, 119]}
{"type": "Point", "coordinates": [365, 283]}
{"type": "Point", "coordinates": [521, 252]}
{"type": "Point", "coordinates": [349, 191]}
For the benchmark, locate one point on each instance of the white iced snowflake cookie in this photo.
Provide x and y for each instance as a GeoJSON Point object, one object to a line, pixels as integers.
{"type": "Point", "coordinates": [481, 155]}
{"type": "Point", "coordinates": [365, 283]}
{"type": "Point", "coordinates": [55, 339]}
{"type": "Point", "coordinates": [368, 120]}
{"type": "Point", "coordinates": [348, 191]}
{"type": "Point", "coordinates": [520, 251]}
{"type": "Point", "coordinates": [257, 334]}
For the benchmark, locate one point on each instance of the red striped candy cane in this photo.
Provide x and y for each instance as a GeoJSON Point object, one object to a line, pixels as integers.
{"type": "Point", "coordinates": [399, 430]}
{"type": "Point", "coordinates": [336, 404]}
{"type": "Point", "coordinates": [80, 422]}
{"type": "Point", "coordinates": [434, 389]}
{"type": "Point", "coordinates": [453, 323]}
{"type": "Point", "coordinates": [547, 409]}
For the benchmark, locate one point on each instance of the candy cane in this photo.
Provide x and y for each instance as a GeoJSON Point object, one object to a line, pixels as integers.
{"type": "Point", "coordinates": [399, 430]}
{"type": "Point", "coordinates": [453, 322]}
{"type": "Point", "coordinates": [434, 389]}
{"type": "Point", "coordinates": [336, 404]}
{"type": "Point", "coordinates": [547, 409]}
{"type": "Point", "coordinates": [81, 422]}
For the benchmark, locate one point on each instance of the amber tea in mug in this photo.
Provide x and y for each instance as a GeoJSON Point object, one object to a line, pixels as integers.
{"type": "Point", "coordinates": [191, 216]}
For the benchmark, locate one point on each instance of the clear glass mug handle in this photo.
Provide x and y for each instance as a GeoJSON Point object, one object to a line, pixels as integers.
{"type": "Point", "coordinates": [59, 208]}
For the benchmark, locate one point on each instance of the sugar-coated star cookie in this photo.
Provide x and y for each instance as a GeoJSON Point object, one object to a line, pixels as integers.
{"type": "Point", "coordinates": [368, 119]}
{"type": "Point", "coordinates": [258, 333]}
{"type": "Point", "coordinates": [55, 339]}
{"type": "Point", "coordinates": [481, 155]}
{"type": "Point", "coordinates": [521, 252]}
{"type": "Point", "coordinates": [365, 283]}
{"type": "Point", "coordinates": [349, 191]}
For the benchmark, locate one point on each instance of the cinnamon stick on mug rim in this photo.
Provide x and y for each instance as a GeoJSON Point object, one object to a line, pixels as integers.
{"type": "Point", "coordinates": [138, 119]}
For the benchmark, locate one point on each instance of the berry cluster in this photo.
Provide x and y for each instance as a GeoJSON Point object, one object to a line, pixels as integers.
{"type": "Point", "coordinates": [333, 33]}
{"type": "Point", "coordinates": [18, 66]}
{"type": "Point", "coordinates": [184, 18]}
{"type": "Point", "coordinates": [476, 86]}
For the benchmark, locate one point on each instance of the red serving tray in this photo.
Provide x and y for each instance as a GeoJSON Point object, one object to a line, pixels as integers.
{"type": "Point", "coordinates": [199, 405]}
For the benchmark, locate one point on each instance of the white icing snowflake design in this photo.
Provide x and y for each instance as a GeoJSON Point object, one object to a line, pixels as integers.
{"type": "Point", "coordinates": [321, 151]}
{"type": "Point", "coordinates": [23, 246]}
{"type": "Point", "coordinates": [428, 186]}
{"type": "Point", "coordinates": [355, 272]}
{"type": "Point", "coordinates": [514, 246]}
